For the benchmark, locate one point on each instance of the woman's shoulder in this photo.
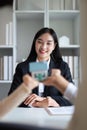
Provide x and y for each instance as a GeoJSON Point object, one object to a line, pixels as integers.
{"type": "Point", "coordinates": [22, 67]}
{"type": "Point", "coordinates": [62, 63]}
{"type": "Point", "coordinates": [22, 64]}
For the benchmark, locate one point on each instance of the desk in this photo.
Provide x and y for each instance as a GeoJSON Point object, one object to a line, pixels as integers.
{"type": "Point", "coordinates": [38, 117]}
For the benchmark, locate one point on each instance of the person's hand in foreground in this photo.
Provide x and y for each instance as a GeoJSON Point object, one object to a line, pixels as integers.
{"type": "Point", "coordinates": [19, 95]}
{"type": "Point", "coordinates": [30, 82]}
{"type": "Point", "coordinates": [68, 89]}
{"type": "Point", "coordinates": [57, 80]}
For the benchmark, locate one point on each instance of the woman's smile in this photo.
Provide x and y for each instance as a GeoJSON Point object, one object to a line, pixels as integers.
{"type": "Point", "coordinates": [42, 51]}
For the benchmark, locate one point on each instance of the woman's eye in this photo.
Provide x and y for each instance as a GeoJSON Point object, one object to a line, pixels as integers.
{"type": "Point", "coordinates": [48, 43]}
{"type": "Point", "coordinates": [39, 41]}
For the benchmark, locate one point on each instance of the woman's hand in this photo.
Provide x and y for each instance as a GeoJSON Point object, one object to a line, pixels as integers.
{"type": "Point", "coordinates": [32, 98]}
{"type": "Point", "coordinates": [46, 102]}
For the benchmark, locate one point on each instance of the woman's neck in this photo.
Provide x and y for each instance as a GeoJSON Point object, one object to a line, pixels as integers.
{"type": "Point", "coordinates": [41, 60]}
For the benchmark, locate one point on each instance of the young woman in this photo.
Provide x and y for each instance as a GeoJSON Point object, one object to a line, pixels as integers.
{"type": "Point", "coordinates": [45, 47]}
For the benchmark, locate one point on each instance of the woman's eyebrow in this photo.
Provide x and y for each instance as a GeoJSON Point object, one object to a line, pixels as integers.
{"type": "Point", "coordinates": [43, 41]}
{"type": "Point", "coordinates": [39, 39]}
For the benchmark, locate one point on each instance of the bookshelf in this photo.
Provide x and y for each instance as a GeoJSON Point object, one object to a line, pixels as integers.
{"type": "Point", "coordinates": [6, 44]}
{"type": "Point", "coordinates": [28, 16]}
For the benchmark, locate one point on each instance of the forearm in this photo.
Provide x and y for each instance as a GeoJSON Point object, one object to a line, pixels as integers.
{"type": "Point", "coordinates": [71, 92]}
{"type": "Point", "coordinates": [60, 83]}
{"type": "Point", "coordinates": [14, 99]}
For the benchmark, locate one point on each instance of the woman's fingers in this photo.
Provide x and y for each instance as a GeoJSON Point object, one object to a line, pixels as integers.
{"type": "Point", "coordinates": [30, 99]}
{"type": "Point", "coordinates": [47, 102]}
{"type": "Point", "coordinates": [42, 103]}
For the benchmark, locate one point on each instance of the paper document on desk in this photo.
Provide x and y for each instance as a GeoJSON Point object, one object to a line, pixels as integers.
{"type": "Point", "coordinates": [68, 110]}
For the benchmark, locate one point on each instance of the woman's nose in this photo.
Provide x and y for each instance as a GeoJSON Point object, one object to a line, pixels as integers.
{"type": "Point", "coordinates": [44, 45]}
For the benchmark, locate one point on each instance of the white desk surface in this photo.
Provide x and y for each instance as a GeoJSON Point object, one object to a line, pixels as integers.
{"type": "Point", "coordinates": [38, 117]}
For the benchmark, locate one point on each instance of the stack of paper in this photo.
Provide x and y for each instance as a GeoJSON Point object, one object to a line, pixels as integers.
{"type": "Point", "coordinates": [60, 110]}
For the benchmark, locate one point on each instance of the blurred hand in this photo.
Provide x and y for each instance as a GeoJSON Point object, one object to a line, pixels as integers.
{"type": "Point", "coordinates": [47, 102]}
{"type": "Point", "coordinates": [32, 98]}
{"type": "Point", "coordinates": [30, 82]}
{"type": "Point", "coordinates": [51, 80]}
{"type": "Point", "coordinates": [57, 80]}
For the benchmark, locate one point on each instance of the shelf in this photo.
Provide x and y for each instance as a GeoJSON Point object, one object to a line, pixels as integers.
{"type": "Point", "coordinates": [53, 13]}
{"type": "Point", "coordinates": [28, 11]}
{"type": "Point", "coordinates": [5, 81]}
{"type": "Point", "coordinates": [6, 46]}
{"type": "Point", "coordinates": [71, 47]}
{"type": "Point", "coordinates": [29, 14]}
{"type": "Point", "coordinates": [6, 51]}
{"type": "Point", "coordinates": [70, 14]}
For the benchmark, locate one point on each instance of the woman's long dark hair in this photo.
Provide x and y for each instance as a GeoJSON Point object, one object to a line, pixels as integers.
{"type": "Point", "coordinates": [55, 55]}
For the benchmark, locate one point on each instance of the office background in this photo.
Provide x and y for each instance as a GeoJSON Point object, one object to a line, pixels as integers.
{"type": "Point", "coordinates": [21, 20]}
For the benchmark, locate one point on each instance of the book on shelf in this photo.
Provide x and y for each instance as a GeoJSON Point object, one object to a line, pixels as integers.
{"type": "Point", "coordinates": [71, 65]}
{"type": "Point", "coordinates": [77, 4]}
{"type": "Point", "coordinates": [66, 59]}
{"type": "Point", "coordinates": [30, 5]}
{"type": "Point", "coordinates": [70, 4]}
{"type": "Point", "coordinates": [76, 68]}
{"type": "Point", "coordinates": [6, 68]}
{"type": "Point", "coordinates": [53, 6]}
{"type": "Point", "coordinates": [69, 61]}
{"type": "Point", "coordinates": [58, 5]}
{"type": "Point", "coordinates": [9, 33]}
{"type": "Point", "coordinates": [10, 67]}
{"type": "Point", "coordinates": [73, 62]}
{"type": "Point", "coordinates": [1, 68]}
{"type": "Point", "coordinates": [74, 5]}
{"type": "Point", "coordinates": [62, 4]}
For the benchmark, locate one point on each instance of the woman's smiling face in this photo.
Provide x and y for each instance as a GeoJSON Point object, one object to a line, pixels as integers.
{"type": "Point", "coordinates": [44, 46]}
